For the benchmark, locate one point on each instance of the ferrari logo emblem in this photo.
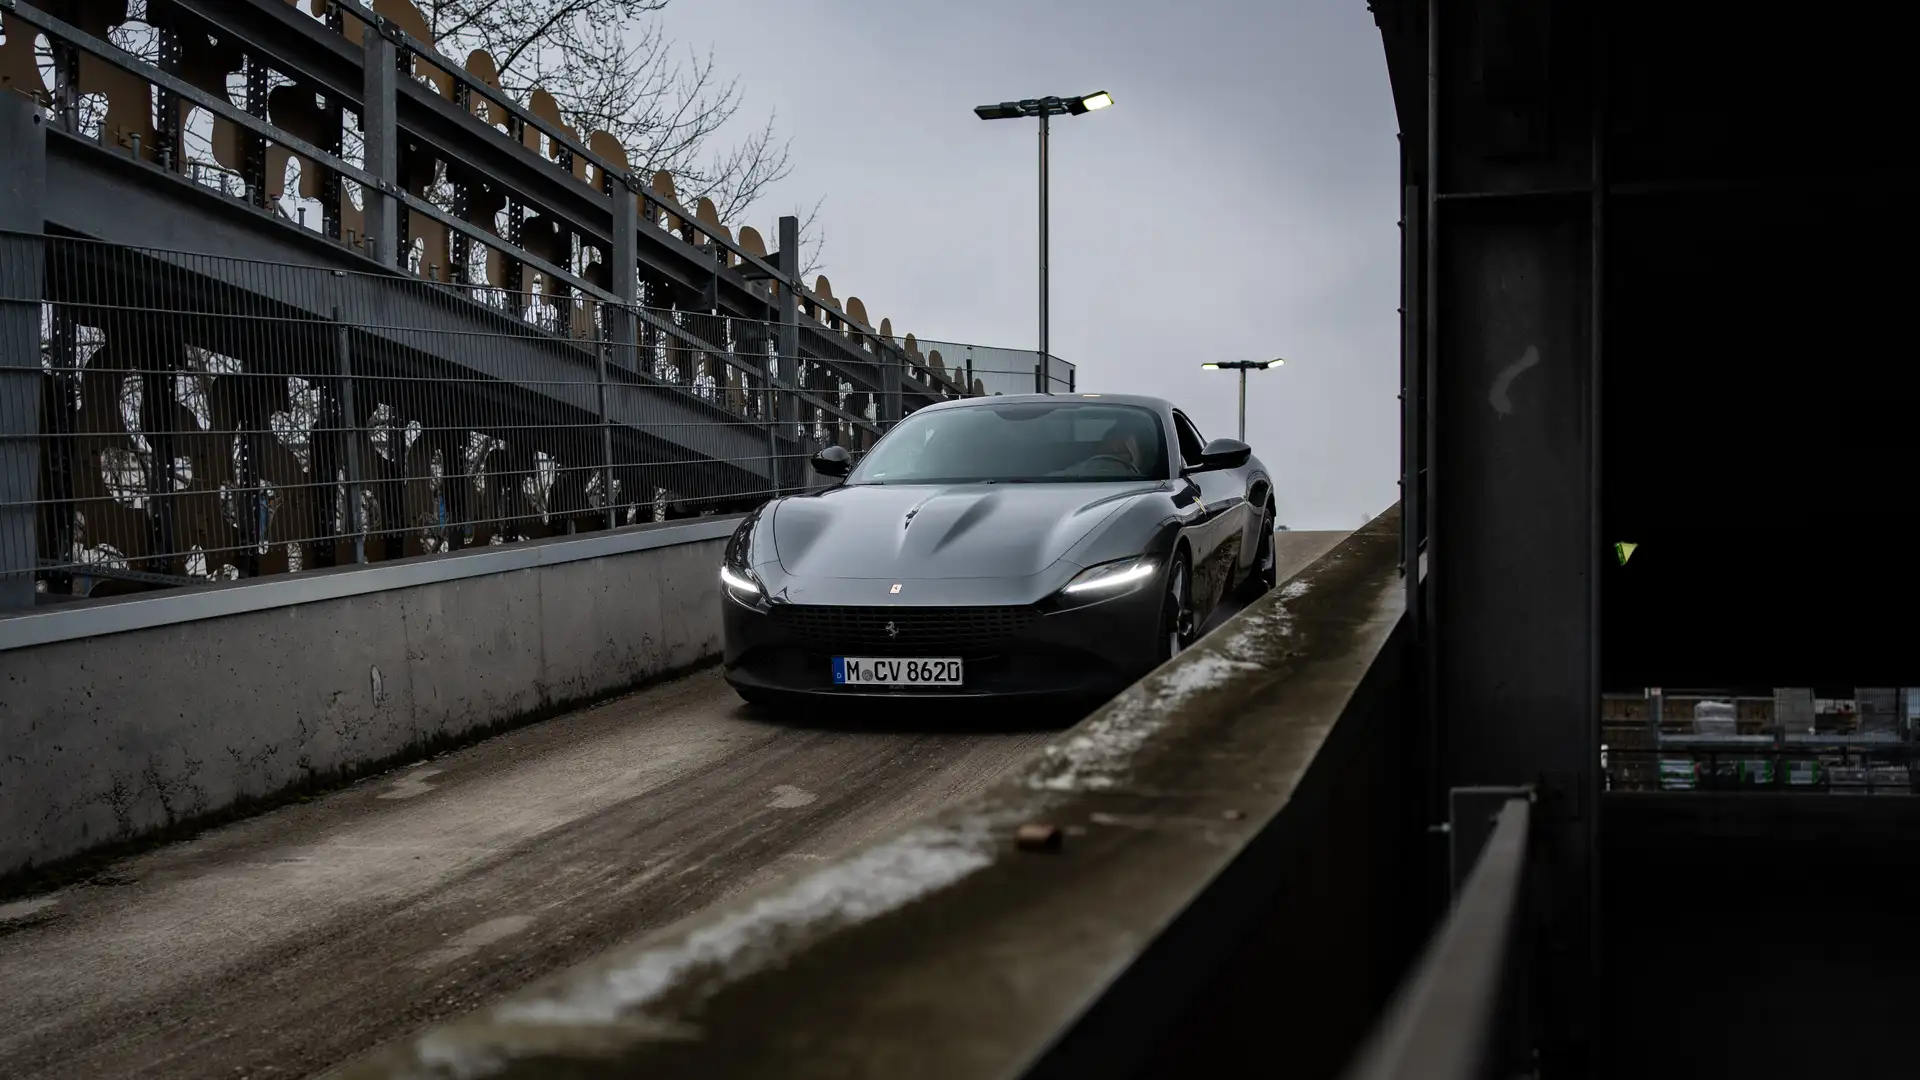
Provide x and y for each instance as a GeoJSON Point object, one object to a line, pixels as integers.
{"type": "Point", "coordinates": [893, 631]}
{"type": "Point", "coordinates": [895, 589]}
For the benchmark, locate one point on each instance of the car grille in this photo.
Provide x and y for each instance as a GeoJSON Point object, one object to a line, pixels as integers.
{"type": "Point", "coordinates": [923, 631]}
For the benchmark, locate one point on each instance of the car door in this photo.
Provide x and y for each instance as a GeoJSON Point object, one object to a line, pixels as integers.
{"type": "Point", "coordinates": [1219, 527]}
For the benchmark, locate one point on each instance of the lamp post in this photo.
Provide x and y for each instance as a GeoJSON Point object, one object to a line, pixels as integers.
{"type": "Point", "coordinates": [1243, 366]}
{"type": "Point", "coordinates": [1044, 108]}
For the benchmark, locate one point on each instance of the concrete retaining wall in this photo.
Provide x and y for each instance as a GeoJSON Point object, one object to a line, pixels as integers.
{"type": "Point", "coordinates": [118, 717]}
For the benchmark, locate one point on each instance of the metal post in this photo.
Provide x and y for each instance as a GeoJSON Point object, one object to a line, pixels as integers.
{"type": "Point", "coordinates": [606, 443]}
{"type": "Point", "coordinates": [22, 284]}
{"type": "Point", "coordinates": [787, 405]}
{"type": "Point", "coordinates": [1044, 376]}
{"type": "Point", "coordinates": [624, 275]}
{"type": "Point", "coordinates": [1243, 404]}
{"type": "Point", "coordinates": [1412, 506]}
{"type": "Point", "coordinates": [892, 386]}
{"type": "Point", "coordinates": [350, 434]}
{"type": "Point", "coordinates": [381, 136]}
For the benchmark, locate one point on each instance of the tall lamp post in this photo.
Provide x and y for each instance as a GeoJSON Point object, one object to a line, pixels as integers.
{"type": "Point", "coordinates": [1243, 366]}
{"type": "Point", "coordinates": [1044, 108]}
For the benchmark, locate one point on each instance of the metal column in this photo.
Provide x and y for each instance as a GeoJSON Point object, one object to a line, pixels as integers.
{"type": "Point", "coordinates": [22, 261]}
{"type": "Point", "coordinates": [1510, 320]}
{"type": "Point", "coordinates": [1243, 405]}
{"type": "Point", "coordinates": [624, 273]}
{"type": "Point", "coordinates": [381, 137]}
{"type": "Point", "coordinates": [787, 383]}
{"type": "Point", "coordinates": [350, 436]}
{"type": "Point", "coordinates": [1042, 376]}
{"type": "Point", "coordinates": [606, 441]}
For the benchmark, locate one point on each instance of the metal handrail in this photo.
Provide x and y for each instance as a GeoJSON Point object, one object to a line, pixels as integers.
{"type": "Point", "coordinates": [1444, 1024]}
{"type": "Point", "coordinates": [259, 127]}
{"type": "Point", "coordinates": [119, 57]}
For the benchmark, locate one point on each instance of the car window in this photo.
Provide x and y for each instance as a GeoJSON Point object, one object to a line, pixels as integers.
{"type": "Point", "coordinates": [1019, 442]}
{"type": "Point", "coordinates": [1192, 445]}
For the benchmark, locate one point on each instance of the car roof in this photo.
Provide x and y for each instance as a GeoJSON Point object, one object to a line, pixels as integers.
{"type": "Point", "coordinates": [1140, 400]}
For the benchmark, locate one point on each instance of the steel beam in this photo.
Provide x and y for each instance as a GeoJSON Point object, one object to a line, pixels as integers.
{"type": "Point", "coordinates": [1515, 404]}
{"type": "Point", "coordinates": [23, 177]}
{"type": "Point", "coordinates": [624, 273]}
{"type": "Point", "coordinates": [786, 407]}
{"type": "Point", "coordinates": [381, 137]}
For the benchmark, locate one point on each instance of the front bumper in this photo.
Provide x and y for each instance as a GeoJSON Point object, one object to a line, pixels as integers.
{"type": "Point", "coordinates": [1025, 652]}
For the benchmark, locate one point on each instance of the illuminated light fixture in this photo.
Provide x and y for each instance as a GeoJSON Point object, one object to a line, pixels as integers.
{"type": "Point", "coordinates": [1099, 99]}
{"type": "Point", "coordinates": [1043, 109]}
{"type": "Point", "coordinates": [1106, 578]}
{"type": "Point", "coordinates": [1243, 366]}
{"type": "Point", "coordinates": [739, 582]}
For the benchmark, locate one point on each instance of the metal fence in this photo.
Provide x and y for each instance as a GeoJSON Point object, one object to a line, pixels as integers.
{"type": "Point", "coordinates": [197, 418]}
{"type": "Point", "coordinates": [990, 369]}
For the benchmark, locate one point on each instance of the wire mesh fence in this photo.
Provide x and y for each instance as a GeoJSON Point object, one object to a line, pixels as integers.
{"type": "Point", "coordinates": [198, 418]}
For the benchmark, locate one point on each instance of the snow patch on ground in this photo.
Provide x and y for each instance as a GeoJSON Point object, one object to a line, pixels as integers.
{"type": "Point", "coordinates": [1097, 754]}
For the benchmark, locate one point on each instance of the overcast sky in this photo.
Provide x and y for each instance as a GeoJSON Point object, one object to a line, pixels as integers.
{"type": "Point", "coordinates": [1237, 202]}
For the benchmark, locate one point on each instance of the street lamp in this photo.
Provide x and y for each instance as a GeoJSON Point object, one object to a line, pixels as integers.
{"type": "Point", "coordinates": [1044, 108]}
{"type": "Point", "coordinates": [1243, 366]}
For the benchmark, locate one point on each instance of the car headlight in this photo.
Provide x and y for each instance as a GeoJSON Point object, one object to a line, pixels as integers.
{"type": "Point", "coordinates": [1111, 579]}
{"type": "Point", "coordinates": [741, 582]}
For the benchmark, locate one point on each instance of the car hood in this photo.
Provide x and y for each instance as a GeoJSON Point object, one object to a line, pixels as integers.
{"type": "Point", "coordinates": [956, 531]}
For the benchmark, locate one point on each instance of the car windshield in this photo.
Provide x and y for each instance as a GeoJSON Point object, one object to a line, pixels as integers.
{"type": "Point", "coordinates": [1019, 442]}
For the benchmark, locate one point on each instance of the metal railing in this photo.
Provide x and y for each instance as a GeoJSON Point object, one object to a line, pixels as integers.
{"type": "Point", "coordinates": [202, 418]}
{"type": "Point", "coordinates": [356, 127]}
{"type": "Point", "coordinates": [1828, 764]}
{"type": "Point", "coordinates": [1455, 1017]}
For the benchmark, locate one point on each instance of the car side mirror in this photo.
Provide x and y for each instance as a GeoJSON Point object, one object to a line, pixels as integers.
{"type": "Point", "coordinates": [1222, 454]}
{"type": "Point", "coordinates": [833, 461]}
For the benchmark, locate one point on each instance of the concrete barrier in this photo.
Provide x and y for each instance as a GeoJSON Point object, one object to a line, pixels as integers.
{"type": "Point", "coordinates": [1211, 875]}
{"type": "Point", "coordinates": [120, 717]}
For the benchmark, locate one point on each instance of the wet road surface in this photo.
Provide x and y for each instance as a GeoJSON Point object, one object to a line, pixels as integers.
{"type": "Point", "coordinates": [288, 943]}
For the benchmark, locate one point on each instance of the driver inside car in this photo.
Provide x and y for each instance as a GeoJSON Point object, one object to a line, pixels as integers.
{"type": "Point", "coordinates": [1124, 446]}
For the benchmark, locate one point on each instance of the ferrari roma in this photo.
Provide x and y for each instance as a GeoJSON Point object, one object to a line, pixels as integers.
{"type": "Point", "coordinates": [1014, 546]}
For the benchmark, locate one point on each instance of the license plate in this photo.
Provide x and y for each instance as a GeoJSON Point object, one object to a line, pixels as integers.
{"type": "Point", "coordinates": [890, 671]}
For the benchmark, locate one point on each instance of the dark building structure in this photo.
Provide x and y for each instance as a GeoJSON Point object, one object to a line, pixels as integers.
{"type": "Point", "coordinates": [1654, 293]}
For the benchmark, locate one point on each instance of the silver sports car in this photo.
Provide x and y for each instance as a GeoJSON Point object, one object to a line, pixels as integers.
{"type": "Point", "coordinates": [1021, 546]}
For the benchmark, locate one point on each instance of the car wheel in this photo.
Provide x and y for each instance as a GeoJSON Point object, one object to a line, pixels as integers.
{"type": "Point", "coordinates": [1266, 560]}
{"type": "Point", "coordinates": [1176, 610]}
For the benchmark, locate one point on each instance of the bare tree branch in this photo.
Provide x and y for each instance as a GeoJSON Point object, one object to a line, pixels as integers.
{"type": "Point", "coordinates": [813, 238]}
{"type": "Point", "coordinates": [612, 68]}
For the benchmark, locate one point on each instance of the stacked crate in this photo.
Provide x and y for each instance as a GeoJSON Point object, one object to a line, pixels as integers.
{"type": "Point", "coordinates": [1626, 730]}
{"type": "Point", "coordinates": [1794, 714]}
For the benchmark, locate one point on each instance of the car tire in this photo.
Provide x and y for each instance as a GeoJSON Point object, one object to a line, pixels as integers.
{"type": "Point", "coordinates": [1176, 608]}
{"type": "Point", "coordinates": [1265, 574]}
